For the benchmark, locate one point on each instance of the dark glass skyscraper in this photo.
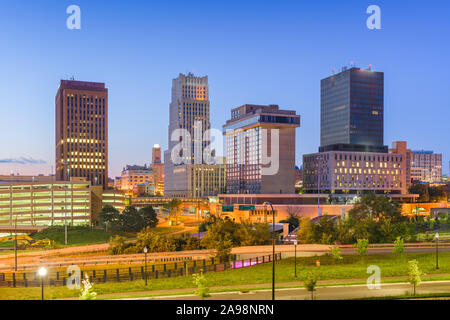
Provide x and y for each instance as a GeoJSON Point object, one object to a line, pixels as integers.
{"type": "Point", "coordinates": [352, 111]}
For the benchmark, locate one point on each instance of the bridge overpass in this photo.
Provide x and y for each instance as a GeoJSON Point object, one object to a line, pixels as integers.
{"type": "Point", "coordinates": [20, 229]}
{"type": "Point", "coordinates": [160, 201]}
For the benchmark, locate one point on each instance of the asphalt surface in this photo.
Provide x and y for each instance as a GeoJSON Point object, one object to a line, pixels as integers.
{"type": "Point", "coordinates": [322, 293]}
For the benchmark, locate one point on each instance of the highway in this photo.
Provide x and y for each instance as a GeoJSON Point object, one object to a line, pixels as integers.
{"type": "Point", "coordinates": [322, 293]}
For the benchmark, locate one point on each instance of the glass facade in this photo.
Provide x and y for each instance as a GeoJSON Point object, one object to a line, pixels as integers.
{"type": "Point", "coordinates": [352, 108]}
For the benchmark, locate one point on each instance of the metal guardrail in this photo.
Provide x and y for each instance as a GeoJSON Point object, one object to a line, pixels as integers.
{"type": "Point", "coordinates": [57, 278]}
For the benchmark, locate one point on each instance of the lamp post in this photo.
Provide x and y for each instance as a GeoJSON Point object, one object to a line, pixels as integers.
{"type": "Point", "coordinates": [273, 247]}
{"type": "Point", "coordinates": [106, 231]}
{"type": "Point", "coordinates": [295, 257]}
{"type": "Point", "coordinates": [15, 244]}
{"type": "Point", "coordinates": [437, 250]}
{"type": "Point", "coordinates": [65, 203]}
{"type": "Point", "coordinates": [42, 273]}
{"type": "Point", "coordinates": [145, 254]}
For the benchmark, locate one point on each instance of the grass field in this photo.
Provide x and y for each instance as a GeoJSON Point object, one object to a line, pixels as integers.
{"type": "Point", "coordinates": [352, 267]}
{"type": "Point", "coordinates": [75, 236]}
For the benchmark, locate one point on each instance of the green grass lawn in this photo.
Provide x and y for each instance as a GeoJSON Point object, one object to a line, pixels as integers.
{"type": "Point", "coordinates": [352, 267]}
{"type": "Point", "coordinates": [7, 244]}
{"type": "Point", "coordinates": [75, 236]}
{"type": "Point", "coordinates": [84, 236]}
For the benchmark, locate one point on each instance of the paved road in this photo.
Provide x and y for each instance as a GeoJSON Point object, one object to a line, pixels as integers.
{"type": "Point", "coordinates": [35, 259]}
{"type": "Point", "coordinates": [322, 293]}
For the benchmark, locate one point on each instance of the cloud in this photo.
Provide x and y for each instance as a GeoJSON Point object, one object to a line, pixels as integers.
{"type": "Point", "coordinates": [22, 160]}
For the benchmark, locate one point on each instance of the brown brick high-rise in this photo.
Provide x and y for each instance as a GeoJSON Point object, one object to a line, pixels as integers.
{"type": "Point", "coordinates": [82, 131]}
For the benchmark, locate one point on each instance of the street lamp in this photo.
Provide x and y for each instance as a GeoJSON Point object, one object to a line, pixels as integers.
{"type": "Point", "coordinates": [437, 250]}
{"type": "Point", "coordinates": [106, 231]}
{"type": "Point", "coordinates": [273, 247]}
{"type": "Point", "coordinates": [145, 254]}
{"type": "Point", "coordinates": [42, 273]}
{"type": "Point", "coordinates": [295, 257]}
{"type": "Point", "coordinates": [15, 244]}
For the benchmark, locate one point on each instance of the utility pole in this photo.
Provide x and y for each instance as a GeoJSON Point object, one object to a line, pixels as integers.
{"type": "Point", "coordinates": [15, 244]}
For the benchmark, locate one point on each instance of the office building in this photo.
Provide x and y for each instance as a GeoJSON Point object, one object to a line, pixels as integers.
{"type": "Point", "coordinates": [134, 175]}
{"type": "Point", "coordinates": [400, 148]}
{"type": "Point", "coordinates": [352, 158]}
{"type": "Point", "coordinates": [426, 166]}
{"type": "Point", "coordinates": [187, 174]}
{"type": "Point", "coordinates": [352, 111]}
{"type": "Point", "coordinates": [45, 203]}
{"type": "Point", "coordinates": [82, 131]}
{"type": "Point", "coordinates": [353, 172]}
{"type": "Point", "coordinates": [158, 170]}
{"type": "Point", "coordinates": [249, 135]}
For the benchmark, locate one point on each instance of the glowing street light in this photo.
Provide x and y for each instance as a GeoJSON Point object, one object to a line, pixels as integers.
{"type": "Point", "coordinates": [273, 244]}
{"type": "Point", "coordinates": [145, 253]}
{"type": "Point", "coordinates": [42, 273]}
{"type": "Point", "coordinates": [295, 257]}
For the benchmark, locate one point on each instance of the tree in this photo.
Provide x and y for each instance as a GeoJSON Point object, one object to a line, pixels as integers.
{"type": "Point", "coordinates": [174, 209]}
{"type": "Point", "coordinates": [414, 274]}
{"type": "Point", "coordinates": [336, 253]}
{"type": "Point", "coordinates": [399, 247]}
{"type": "Point", "coordinates": [362, 246]}
{"type": "Point", "coordinates": [209, 220]}
{"type": "Point", "coordinates": [377, 208]}
{"type": "Point", "coordinates": [422, 190]}
{"type": "Point", "coordinates": [306, 232]}
{"type": "Point", "coordinates": [293, 219]}
{"type": "Point", "coordinates": [437, 194]}
{"type": "Point", "coordinates": [201, 283]}
{"type": "Point", "coordinates": [325, 229]}
{"type": "Point", "coordinates": [108, 214]}
{"type": "Point", "coordinates": [310, 283]}
{"type": "Point", "coordinates": [117, 245]}
{"type": "Point", "coordinates": [220, 237]}
{"type": "Point", "coordinates": [131, 220]}
{"type": "Point", "coordinates": [249, 234]}
{"type": "Point", "coordinates": [149, 216]}
{"type": "Point", "coordinates": [154, 242]}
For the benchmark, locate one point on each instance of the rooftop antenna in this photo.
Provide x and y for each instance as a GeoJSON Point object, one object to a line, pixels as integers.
{"type": "Point", "coordinates": [72, 78]}
{"type": "Point", "coordinates": [370, 66]}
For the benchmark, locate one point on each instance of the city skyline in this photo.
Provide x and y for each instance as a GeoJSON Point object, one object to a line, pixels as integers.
{"type": "Point", "coordinates": [139, 96]}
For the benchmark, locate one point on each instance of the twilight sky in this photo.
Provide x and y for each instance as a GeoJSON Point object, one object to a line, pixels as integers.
{"type": "Point", "coordinates": [261, 52]}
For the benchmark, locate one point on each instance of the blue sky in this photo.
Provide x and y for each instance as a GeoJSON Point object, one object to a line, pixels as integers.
{"type": "Point", "coordinates": [253, 52]}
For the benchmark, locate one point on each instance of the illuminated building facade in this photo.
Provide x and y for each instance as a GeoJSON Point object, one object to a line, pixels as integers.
{"type": "Point", "coordinates": [45, 204]}
{"type": "Point", "coordinates": [134, 175]}
{"type": "Point", "coordinates": [158, 170]}
{"type": "Point", "coordinates": [190, 113]}
{"type": "Point", "coordinates": [353, 172]}
{"type": "Point", "coordinates": [352, 158]}
{"type": "Point", "coordinates": [426, 166]}
{"type": "Point", "coordinates": [400, 147]}
{"type": "Point", "coordinates": [246, 147]}
{"type": "Point", "coordinates": [82, 131]}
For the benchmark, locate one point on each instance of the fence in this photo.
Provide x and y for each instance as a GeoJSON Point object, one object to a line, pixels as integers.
{"type": "Point", "coordinates": [154, 271]}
